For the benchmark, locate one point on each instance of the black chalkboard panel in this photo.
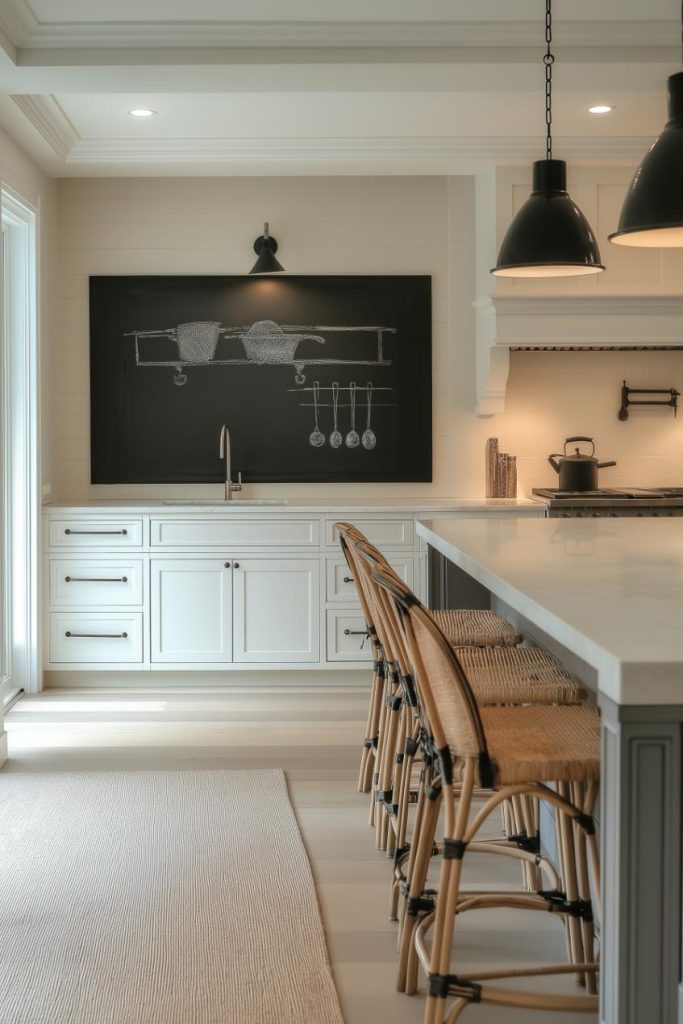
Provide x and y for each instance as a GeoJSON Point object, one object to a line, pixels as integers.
{"type": "Point", "coordinates": [172, 358]}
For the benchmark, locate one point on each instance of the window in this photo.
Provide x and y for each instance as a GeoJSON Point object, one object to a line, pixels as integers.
{"type": "Point", "coordinates": [19, 492]}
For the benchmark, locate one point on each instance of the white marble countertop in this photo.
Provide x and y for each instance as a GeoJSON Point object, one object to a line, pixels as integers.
{"type": "Point", "coordinates": [299, 505]}
{"type": "Point", "coordinates": [611, 590]}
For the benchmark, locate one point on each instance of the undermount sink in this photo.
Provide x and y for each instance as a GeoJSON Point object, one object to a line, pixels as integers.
{"type": "Point", "coordinates": [233, 503]}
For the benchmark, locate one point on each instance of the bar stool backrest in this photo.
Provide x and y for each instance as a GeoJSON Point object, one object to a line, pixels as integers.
{"type": "Point", "coordinates": [449, 703]}
{"type": "Point", "coordinates": [348, 536]}
{"type": "Point", "coordinates": [368, 559]}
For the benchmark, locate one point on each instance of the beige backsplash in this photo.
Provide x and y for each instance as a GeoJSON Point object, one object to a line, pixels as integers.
{"type": "Point", "coordinates": [552, 395]}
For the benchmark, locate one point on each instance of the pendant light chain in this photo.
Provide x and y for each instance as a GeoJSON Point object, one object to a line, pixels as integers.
{"type": "Point", "coordinates": [548, 61]}
{"type": "Point", "coordinates": [548, 236]}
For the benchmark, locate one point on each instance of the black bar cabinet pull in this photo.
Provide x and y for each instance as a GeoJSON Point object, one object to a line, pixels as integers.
{"type": "Point", "coordinates": [95, 579]}
{"type": "Point", "coordinates": [355, 632]}
{"type": "Point", "coordinates": [96, 533]}
{"type": "Point", "coordinates": [97, 636]}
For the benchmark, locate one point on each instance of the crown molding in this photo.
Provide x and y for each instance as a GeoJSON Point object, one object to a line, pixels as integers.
{"type": "Point", "coordinates": [17, 21]}
{"type": "Point", "coordinates": [344, 150]}
{"type": "Point", "coordinates": [445, 154]}
{"type": "Point", "coordinates": [51, 123]}
{"type": "Point", "coordinates": [20, 23]}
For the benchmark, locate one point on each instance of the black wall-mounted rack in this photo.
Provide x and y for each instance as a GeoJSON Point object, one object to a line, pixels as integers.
{"type": "Point", "coordinates": [626, 400]}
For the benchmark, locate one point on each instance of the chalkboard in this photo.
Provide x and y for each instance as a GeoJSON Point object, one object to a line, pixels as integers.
{"type": "Point", "coordinates": [173, 358]}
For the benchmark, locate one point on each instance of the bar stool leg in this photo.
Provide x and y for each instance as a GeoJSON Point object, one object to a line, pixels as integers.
{"type": "Point", "coordinates": [571, 884]}
{"type": "Point", "coordinates": [393, 704]}
{"type": "Point", "coordinates": [372, 730]}
{"type": "Point", "coordinates": [414, 908]}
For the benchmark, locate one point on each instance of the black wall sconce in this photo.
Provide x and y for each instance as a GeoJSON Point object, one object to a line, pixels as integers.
{"type": "Point", "coordinates": [265, 248]}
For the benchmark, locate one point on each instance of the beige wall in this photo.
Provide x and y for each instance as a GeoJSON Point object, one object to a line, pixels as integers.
{"type": "Point", "coordinates": [422, 225]}
{"type": "Point", "coordinates": [19, 174]}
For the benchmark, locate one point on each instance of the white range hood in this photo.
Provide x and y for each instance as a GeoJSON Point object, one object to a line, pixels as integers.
{"type": "Point", "coordinates": [618, 322]}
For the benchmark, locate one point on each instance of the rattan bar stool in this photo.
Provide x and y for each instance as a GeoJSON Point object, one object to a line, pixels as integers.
{"type": "Point", "coordinates": [347, 534]}
{"type": "Point", "coordinates": [498, 676]}
{"type": "Point", "coordinates": [384, 718]}
{"type": "Point", "coordinates": [465, 627]}
{"type": "Point", "coordinates": [512, 752]}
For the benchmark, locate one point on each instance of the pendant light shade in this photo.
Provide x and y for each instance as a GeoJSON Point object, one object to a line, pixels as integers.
{"type": "Point", "coordinates": [549, 236]}
{"type": "Point", "coordinates": [265, 247]}
{"type": "Point", "coordinates": [652, 214]}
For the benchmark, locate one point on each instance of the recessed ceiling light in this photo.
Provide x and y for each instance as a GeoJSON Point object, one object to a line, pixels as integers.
{"type": "Point", "coordinates": [600, 108]}
{"type": "Point", "coordinates": [142, 112]}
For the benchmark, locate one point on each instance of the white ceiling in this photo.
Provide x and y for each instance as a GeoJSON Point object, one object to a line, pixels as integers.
{"type": "Point", "coordinates": [311, 86]}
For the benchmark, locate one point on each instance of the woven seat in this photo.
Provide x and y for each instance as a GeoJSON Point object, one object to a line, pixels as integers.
{"type": "Point", "coordinates": [542, 744]}
{"type": "Point", "coordinates": [467, 627]}
{"type": "Point", "coordinates": [518, 675]}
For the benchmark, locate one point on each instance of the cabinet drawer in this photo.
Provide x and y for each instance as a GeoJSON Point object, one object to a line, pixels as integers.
{"type": "Point", "coordinates": [108, 582]}
{"type": "Point", "coordinates": [95, 637]}
{"type": "Point", "coordinates": [345, 635]}
{"type": "Point", "coordinates": [230, 533]}
{"type": "Point", "coordinates": [96, 533]}
{"type": "Point", "coordinates": [390, 533]}
{"type": "Point", "coordinates": [340, 585]}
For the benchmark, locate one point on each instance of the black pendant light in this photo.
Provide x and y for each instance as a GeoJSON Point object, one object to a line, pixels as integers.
{"type": "Point", "coordinates": [549, 236]}
{"type": "Point", "coordinates": [265, 247]}
{"type": "Point", "coordinates": [652, 214]}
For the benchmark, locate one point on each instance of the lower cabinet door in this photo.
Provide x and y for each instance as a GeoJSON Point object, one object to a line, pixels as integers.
{"type": "Point", "coordinates": [191, 610]}
{"type": "Point", "coordinates": [276, 609]}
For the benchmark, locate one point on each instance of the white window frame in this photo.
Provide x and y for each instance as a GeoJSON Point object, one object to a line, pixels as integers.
{"type": "Point", "coordinates": [19, 462]}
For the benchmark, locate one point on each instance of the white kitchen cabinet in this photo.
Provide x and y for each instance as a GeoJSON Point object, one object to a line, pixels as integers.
{"type": "Point", "coordinates": [341, 587]}
{"type": "Point", "coordinates": [95, 637]}
{"type": "Point", "coordinates": [284, 599]}
{"type": "Point", "coordinates": [191, 610]}
{"type": "Point", "coordinates": [231, 533]}
{"type": "Point", "coordinates": [99, 533]}
{"type": "Point", "coordinates": [276, 610]}
{"type": "Point", "coordinates": [395, 532]}
{"type": "Point", "coordinates": [347, 639]}
{"type": "Point", "coordinates": [87, 583]}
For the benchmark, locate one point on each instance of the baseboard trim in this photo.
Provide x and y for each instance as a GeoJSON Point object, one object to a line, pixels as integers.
{"type": "Point", "coordinates": [344, 679]}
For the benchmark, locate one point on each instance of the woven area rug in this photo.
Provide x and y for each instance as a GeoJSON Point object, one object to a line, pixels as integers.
{"type": "Point", "coordinates": [158, 898]}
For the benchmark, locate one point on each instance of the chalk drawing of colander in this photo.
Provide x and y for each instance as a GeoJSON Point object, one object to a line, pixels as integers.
{"type": "Point", "coordinates": [266, 342]}
{"type": "Point", "coordinates": [197, 341]}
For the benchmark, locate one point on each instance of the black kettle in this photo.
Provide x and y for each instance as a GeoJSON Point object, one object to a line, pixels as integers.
{"type": "Point", "coordinates": [578, 472]}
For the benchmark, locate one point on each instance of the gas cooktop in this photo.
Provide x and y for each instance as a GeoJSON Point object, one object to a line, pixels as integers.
{"type": "Point", "coordinates": [614, 501]}
{"type": "Point", "coordinates": [611, 493]}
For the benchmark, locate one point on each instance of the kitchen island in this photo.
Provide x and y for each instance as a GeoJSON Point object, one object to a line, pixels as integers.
{"type": "Point", "coordinates": [609, 593]}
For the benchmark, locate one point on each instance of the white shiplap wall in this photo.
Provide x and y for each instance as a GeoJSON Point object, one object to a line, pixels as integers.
{"type": "Point", "coordinates": [207, 226]}
{"type": "Point", "coordinates": [421, 225]}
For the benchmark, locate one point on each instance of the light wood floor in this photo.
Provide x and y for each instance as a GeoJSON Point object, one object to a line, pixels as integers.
{"type": "Point", "coordinates": [315, 736]}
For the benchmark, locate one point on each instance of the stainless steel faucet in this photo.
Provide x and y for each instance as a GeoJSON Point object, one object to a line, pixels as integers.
{"type": "Point", "coordinates": [224, 453]}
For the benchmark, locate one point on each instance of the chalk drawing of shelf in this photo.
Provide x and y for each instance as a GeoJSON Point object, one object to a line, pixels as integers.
{"type": "Point", "coordinates": [360, 402]}
{"type": "Point", "coordinates": [265, 343]}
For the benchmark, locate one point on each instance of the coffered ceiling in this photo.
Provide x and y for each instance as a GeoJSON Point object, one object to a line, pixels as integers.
{"type": "Point", "coordinates": [310, 86]}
